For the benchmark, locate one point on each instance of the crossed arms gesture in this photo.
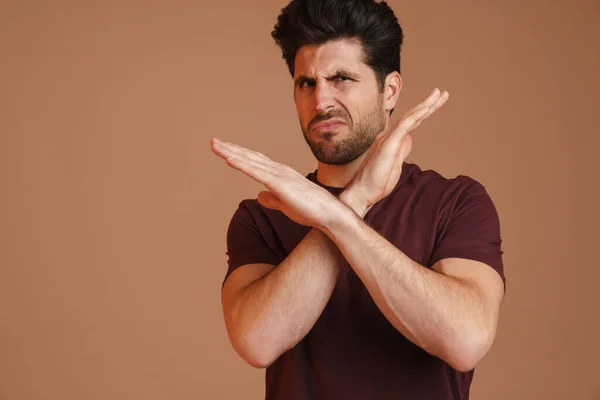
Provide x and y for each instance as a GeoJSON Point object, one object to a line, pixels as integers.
{"type": "Point", "coordinates": [451, 310]}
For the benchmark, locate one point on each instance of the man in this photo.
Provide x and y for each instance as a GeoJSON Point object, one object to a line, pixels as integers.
{"type": "Point", "coordinates": [368, 278]}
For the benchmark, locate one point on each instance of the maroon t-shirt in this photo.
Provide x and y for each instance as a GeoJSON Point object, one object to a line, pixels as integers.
{"type": "Point", "coordinates": [353, 352]}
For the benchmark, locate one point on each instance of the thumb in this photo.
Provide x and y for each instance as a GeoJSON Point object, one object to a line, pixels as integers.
{"type": "Point", "coordinates": [268, 200]}
{"type": "Point", "coordinates": [405, 147]}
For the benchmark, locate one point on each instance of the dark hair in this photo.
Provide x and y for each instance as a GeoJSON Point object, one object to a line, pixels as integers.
{"type": "Point", "coordinates": [304, 22]}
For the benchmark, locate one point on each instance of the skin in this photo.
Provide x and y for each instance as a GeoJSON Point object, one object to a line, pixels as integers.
{"type": "Point", "coordinates": [333, 84]}
{"type": "Point", "coordinates": [450, 310]}
{"type": "Point", "coordinates": [332, 79]}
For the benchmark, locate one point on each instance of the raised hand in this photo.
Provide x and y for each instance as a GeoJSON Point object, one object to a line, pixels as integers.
{"type": "Point", "coordinates": [382, 166]}
{"type": "Point", "coordinates": [289, 191]}
{"type": "Point", "coordinates": [309, 204]}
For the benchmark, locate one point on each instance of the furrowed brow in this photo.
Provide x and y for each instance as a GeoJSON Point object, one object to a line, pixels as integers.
{"type": "Point", "coordinates": [343, 72]}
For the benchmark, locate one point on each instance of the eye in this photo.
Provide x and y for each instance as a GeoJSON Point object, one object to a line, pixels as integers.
{"type": "Point", "coordinates": [341, 78]}
{"type": "Point", "coordinates": [306, 84]}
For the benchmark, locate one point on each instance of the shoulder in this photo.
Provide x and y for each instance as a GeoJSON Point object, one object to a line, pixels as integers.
{"type": "Point", "coordinates": [448, 198]}
{"type": "Point", "coordinates": [250, 213]}
{"type": "Point", "coordinates": [445, 187]}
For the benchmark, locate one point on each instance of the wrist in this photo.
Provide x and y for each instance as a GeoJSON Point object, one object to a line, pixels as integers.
{"type": "Point", "coordinates": [352, 199]}
{"type": "Point", "coordinates": [336, 214]}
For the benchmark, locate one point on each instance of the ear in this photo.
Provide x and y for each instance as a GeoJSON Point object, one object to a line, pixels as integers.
{"type": "Point", "coordinates": [392, 87]}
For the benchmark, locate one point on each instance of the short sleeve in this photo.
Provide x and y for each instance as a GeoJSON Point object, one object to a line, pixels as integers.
{"type": "Point", "coordinates": [470, 228]}
{"type": "Point", "coordinates": [245, 243]}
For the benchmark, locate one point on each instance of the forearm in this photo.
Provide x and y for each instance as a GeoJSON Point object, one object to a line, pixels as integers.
{"type": "Point", "coordinates": [439, 313]}
{"type": "Point", "coordinates": [274, 313]}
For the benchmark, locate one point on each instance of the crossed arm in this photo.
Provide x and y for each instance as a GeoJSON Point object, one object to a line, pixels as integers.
{"type": "Point", "coordinates": [450, 310]}
{"type": "Point", "coordinates": [269, 310]}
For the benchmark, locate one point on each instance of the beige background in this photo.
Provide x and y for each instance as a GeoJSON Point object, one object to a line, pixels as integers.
{"type": "Point", "coordinates": [114, 210]}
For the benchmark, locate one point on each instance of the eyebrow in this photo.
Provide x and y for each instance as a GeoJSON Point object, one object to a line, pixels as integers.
{"type": "Point", "coordinates": [340, 72]}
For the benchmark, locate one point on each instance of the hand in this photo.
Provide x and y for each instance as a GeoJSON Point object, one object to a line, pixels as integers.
{"type": "Point", "coordinates": [382, 166]}
{"type": "Point", "coordinates": [289, 191]}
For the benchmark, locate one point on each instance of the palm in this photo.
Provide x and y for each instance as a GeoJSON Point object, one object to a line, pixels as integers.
{"type": "Point", "coordinates": [381, 169]}
{"type": "Point", "coordinates": [309, 204]}
{"type": "Point", "coordinates": [288, 191]}
{"type": "Point", "coordinates": [298, 198]}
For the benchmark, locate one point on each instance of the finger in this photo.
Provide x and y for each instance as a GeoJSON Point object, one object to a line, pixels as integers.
{"type": "Point", "coordinates": [253, 169]}
{"type": "Point", "coordinates": [431, 104]}
{"type": "Point", "coordinates": [409, 122]}
{"type": "Point", "coordinates": [434, 101]}
{"type": "Point", "coordinates": [242, 150]}
{"type": "Point", "coordinates": [220, 149]}
{"type": "Point", "coordinates": [405, 147]}
{"type": "Point", "coordinates": [227, 148]}
{"type": "Point", "coordinates": [239, 158]}
{"type": "Point", "coordinates": [439, 103]}
{"type": "Point", "coordinates": [428, 102]}
{"type": "Point", "coordinates": [412, 120]}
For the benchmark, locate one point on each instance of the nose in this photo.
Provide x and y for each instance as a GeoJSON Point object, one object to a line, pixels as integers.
{"type": "Point", "coordinates": [323, 97]}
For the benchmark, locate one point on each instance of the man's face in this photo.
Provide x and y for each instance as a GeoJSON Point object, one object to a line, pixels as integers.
{"type": "Point", "coordinates": [338, 100]}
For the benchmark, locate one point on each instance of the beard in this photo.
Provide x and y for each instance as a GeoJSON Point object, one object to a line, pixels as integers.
{"type": "Point", "coordinates": [359, 140]}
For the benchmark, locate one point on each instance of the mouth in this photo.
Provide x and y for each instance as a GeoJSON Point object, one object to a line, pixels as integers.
{"type": "Point", "coordinates": [328, 126]}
